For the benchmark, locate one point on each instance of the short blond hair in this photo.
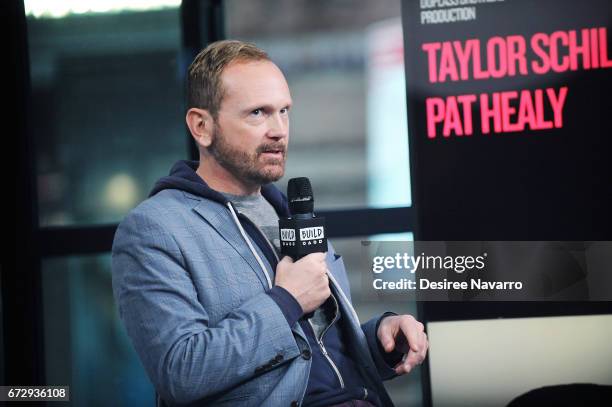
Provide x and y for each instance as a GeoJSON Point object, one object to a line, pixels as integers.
{"type": "Point", "coordinates": [204, 88]}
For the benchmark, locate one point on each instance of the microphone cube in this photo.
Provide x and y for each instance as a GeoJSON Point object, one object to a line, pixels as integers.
{"type": "Point", "coordinates": [300, 237]}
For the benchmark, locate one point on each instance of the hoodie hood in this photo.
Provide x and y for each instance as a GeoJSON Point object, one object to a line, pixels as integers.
{"type": "Point", "coordinates": [183, 176]}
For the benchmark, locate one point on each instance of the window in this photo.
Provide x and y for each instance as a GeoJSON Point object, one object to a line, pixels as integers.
{"type": "Point", "coordinates": [107, 91]}
{"type": "Point", "coordinates": [86, 346]}
{"type": "Point", "coordinates": [344, 64]}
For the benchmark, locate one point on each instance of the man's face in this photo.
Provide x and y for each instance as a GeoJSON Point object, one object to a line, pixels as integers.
{"type": "Point", "coordinates": [252, 127]}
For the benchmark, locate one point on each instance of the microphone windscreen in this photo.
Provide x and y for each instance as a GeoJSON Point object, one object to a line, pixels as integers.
{"type": "Point", "coordinates": [299, 193]}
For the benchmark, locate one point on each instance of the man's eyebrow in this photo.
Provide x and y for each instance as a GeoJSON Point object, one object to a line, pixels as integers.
{"type": "Point", "coordinates": [266, 107]}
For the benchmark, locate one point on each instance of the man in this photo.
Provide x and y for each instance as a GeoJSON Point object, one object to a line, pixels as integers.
{"type": "Point", "coordinates": [215, 316]}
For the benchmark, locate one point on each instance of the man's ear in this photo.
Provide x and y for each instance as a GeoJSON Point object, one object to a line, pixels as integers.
{"type": "Point", "coordinates": [201, 124]}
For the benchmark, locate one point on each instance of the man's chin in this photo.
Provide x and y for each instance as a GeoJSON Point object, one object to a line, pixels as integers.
{"type": "Point", "coordinates": [272, 174]}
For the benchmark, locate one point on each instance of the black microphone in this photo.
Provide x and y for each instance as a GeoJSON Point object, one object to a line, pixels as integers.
{"type": "Point", "coordinates": [303, 232]}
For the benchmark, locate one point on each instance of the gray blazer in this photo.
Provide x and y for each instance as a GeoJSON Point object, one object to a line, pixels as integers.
{"type": "Point", "coordinates": [190, 286]}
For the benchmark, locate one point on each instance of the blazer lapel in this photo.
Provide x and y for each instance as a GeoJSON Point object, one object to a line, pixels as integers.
{"type": "Point", "coordinates": [218, 216]}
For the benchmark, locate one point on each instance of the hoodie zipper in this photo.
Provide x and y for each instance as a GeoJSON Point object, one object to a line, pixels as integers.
{"type": "Point", "coordinates": [246, 238]}
{"type": "Point", "coordinates": [319, 341]}
{"type": "Point", "coordinates": [322, 346]}
{"type": "Point", "coordinates": [263, 268]}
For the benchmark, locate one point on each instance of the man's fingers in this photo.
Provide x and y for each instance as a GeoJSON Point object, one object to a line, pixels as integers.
{"type": "Point", "coordinates": [387, 342]}
{"type": "Point", "coordinates": [412, 333]}
{"type": "Point", "coordinates": [406, 334]}
{"type": "Point", "coordinates": [319, 256]}
{"type": "Point", "coordinates": [405, 366]}
{"type": "Point", "coordinates": [424, 344]}
{"type": "Point", "coordinates": [386, 333]}
{"type": "Point", "coordinates": [410, 360]}
{"type": "Point", "coordinates": [386, 337]}
{"type": "Point", "coordinates": [401, 369]}
{"type": "Point", "coordinates": [287, 259]}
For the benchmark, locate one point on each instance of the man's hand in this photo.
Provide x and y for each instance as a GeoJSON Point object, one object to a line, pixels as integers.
{"type": "Point", "coordinates": [306, 280]}
{"type": "Point", "coordinates": [405, 334]}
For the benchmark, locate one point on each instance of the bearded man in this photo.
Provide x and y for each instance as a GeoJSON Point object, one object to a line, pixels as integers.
{"type": "Point", "coordinates": [215, 316]}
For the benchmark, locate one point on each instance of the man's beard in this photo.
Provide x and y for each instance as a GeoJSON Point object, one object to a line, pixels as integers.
{"type": "Point", "coordinates": [246, 165]}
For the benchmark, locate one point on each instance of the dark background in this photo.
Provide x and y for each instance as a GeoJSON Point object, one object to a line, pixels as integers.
{"type": "Point", "coordinates": [533, 185]}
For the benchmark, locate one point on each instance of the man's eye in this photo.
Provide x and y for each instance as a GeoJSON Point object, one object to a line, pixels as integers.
{"type": "Point", "coordinates": [257, 112]}
{"type": "Point", "coordinates": [284, 110]}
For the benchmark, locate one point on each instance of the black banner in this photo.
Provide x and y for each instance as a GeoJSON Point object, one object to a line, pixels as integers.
{"type": "Point", "coordinates": [509, 120]}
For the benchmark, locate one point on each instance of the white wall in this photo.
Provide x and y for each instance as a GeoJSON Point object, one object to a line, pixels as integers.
{"type": "Point", "coordinates": [490, 362]}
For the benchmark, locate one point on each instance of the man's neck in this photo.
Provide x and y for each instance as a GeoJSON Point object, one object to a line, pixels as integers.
{"type": "Point", "coordinates": [221, 180]}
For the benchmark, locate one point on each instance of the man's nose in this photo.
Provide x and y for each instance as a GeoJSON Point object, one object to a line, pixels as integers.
{"type": "Point", "coordinates": [278, 126]}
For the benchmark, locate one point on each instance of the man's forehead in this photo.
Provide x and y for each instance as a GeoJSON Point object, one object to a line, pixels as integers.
{"type": "Point", "coordinates": [254, 80]}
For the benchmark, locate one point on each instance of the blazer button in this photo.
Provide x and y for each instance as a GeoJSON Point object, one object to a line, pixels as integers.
{"type": "Point", "coordinates": [306, 354]}
{"type": "Point", "coordinates": [279, 358]}
{"type": "Point", "coordinates": [294, 403]}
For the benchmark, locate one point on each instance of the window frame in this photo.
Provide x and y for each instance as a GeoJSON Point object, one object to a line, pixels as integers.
{"type": "Point", "coordinates": [202, 22]}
